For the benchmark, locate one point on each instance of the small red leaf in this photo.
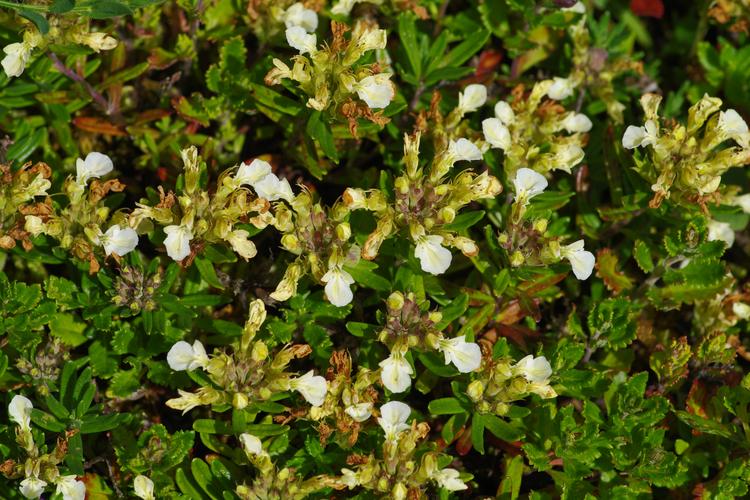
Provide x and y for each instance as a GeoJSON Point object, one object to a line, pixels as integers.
{"type": "Point", "coordinates": [647, 8]}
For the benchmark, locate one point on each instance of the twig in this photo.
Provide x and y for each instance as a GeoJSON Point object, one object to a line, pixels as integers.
{"type": "Point", "coordinates": [440, 16]}
{"type": "Point", "coordinates": [96, 96]}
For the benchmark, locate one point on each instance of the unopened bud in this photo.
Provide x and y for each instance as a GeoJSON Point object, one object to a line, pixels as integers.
{"type": "Point", "coordinates": [343, 231]}
{"type": "Point", "coordinates": [395, 301]}
{"type": "Point", "coordinates": [516, 259]}
{"type": "Point", "coordinates": [540, 226]}
{"type": "Point", "coordinates": [260, 351]}
{"type": "Point", "coordinates": [475, 390]}
{"type": "Point", "coordinates": [239, 400]}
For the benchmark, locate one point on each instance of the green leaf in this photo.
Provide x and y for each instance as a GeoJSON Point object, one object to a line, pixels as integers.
{"type": "Point", "coordinates": [445, 406]}
{"type": "Point", "coordinates": [477, 432]}
{"type": "Point", "coordinates": [463, 51]}
{"type": "Point", "coordinates": [65, 327]}
{"type": "Point", "coordinates": [61, 6]}
{"type": "Point", "coordinates": [464, 221]}
{"type": "Point", "coordinates": [501, 428]}
{"type": "Point", "coordinates": [364, 274]}
{"type": "Point", "coordinates": [407, 32]}
{"type": "Point", "coordinates": [39, 21]}
{"type": "Point", "coordinates": [106, 9]}
{"type": "Point", "coordinates": [207, 272]}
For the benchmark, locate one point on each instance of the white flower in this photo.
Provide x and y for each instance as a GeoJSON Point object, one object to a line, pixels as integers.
{"type": "Point", "coordinates": [580, 260]}
{"type": "Point", "coordinates": [38, 187]}
{"type": "Point", "coordinates": [252, 173]}
{"type": "Point", "coordinates": [34, 225]}
{"type": "Point", "coordinates": [560, 89]}
{"type": "Point", "coordinates": [504, 113]}
{"type": "Point", "coordinates": [272, 188]}
{"type": "Point", "coordinates": [732, 124]}
{"type": "Point", "coordinates": [312, 387]}
{"type": "Point", "coordinates": [576, 122]}
{"type": "Point", "coordinates": [496, 133]}
{"type": "Point", "coordinates": [472, 98]}
{"type": "Point", "coordinates": [32, 487]}
{"type": "Point", "coordinates": [359, 412]}
{"type": "Point", "coordinates": [251, 444]}
{"type": "Point", "coordinates": [536, 370]}
{"type": "Point", "coordinates": [720, 231]}
{"type": "Point", "coordinates": [395, 373]}
{"type": "Point", "coordinates": [183, 356]}
{"type": "Point", "coordinates": [466, 356]}
{"type": "Point", "coordinates": [568, 156]}
{"type": "Point", "coordinates": [463, 149]}
{"type": "Point", "coordinates": [119, 241]}
{"type": "Point", "coordinates": [742, 201]}
{"type": "Point", "coordinates": [640, 136]}
{"type": "Point", "coordinates": [448, 479]}
{"type": "Point", "coordinates": [372, 39]}
{"type": "Point", "coordinates": [577, 7]}
{"type": "Point", "coordinates": [337, 287]}
{"type": "Point", "coordinates": [433, 257]}
{"type": "Point", "coordinates": [70, 488]}
{"type": "Point", "coordinates": [16, 57]}
{"type": "Point", "coordinates": [741, 310]}
{"type": "Point", "coordinates": [241, 244]}
{"type": "Point", "coordinates": [393, 417]}
{"type": "Point", "coordinates": [376, 90]}
{"type": "Point", "coordinates": [528, 184]}
{"type": "Point", "coordinates": [349, 478]}
{"type": "Point", "coordinates": [298, 15]}
{"type": "Point", "coordinates": [300, 40]}
{"type": "Point", "coordinates": [177, 241]}
{"type": "Point", "coordinates": [19, 410]}
{"type": "Point", "coordinates": [144, 487]}
{"type": "Point", "coordinates": [95, 165]}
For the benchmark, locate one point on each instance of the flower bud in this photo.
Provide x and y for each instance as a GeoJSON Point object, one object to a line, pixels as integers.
{"type": "Point", "coordinates": [260, 351]}
{"type": "Point", "coordinates": [475, 390]}
{"type": "Point", "coordinates": [540, 225]}
{"type": "Point", "coordinates": [239, 400]}
{"type": "Point", "coordinates": [343, 231]}
{"type": "Point", "coordinates": [447, 215]}
{"type": "Point", "coordinates": [517, 259]}
{"type": "Point", "coordinates": [402, 185]}
{"type": "Point", "coordinates": [395, 301]}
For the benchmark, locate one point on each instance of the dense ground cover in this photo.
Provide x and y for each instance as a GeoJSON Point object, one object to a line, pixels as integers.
{"type": "Point", "coordinates": [266, 249]}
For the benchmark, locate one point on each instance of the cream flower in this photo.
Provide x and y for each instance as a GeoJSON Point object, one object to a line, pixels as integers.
{"type": "Point", "coordinates": [338, 290]}
{"type": "Point", "coordinates": [349, 478]}
{"type": "Point", "coordinates": [98, 41]}
{"type": "Point", "coordinates": [34, 225]}
{"type": "Point", "coordinates": [70, 488]}
{"type": "Point", "coordinates": [376, 90]}
{"type": "Point", "coordinates": [463, 150]}
{"type": "Point", "coordinates": [742, 201]}
{"type": "Point", "coordinates": [496, 133]}
{"type": "Point", "coordinates": [251, 444]}
{"type": "Point", "coordinates": [472, 98]}
{"type": "Point", "coordinates": [16, 57]}
{"type": "Point", "coordinates": [119, 241]}
{"type": "Point", "coordinates": [359, 412]}
{"type": "Point", "coordinates": [251, 173]}
{"type": "Point", "coordinates": [19, 410]}
{"type": "Point", "coordinates": [177, 241]}
{"type": "Point", "coordinates": [312, 387]}
{"type": "Point", "coordinates": [528, 184]}
{"type": "Point", "coordinates": [95, 165]}
{"type": "Point", "coordinates": [241, 244]}
{"type": "Point", "coordinates": [581, 261]}
{"type": "Point", "coordinates": [504, 113]}
{"type": "Point", "coordinates": [298, 15]}
{"type": "Point", "coordinates": [301, 41]}
{"type": "Point", "coordinates": [536, 370]}
{"type": "Point", "coordinates": [741, 310]}
{"type": "Point", "coordinates": [640, 136]}
{"type": "Point", "coordinates": [144, 487]}
{"type": "Point", "coordinates": [560, 89]}
{"type": "Point", "coordinates": [183, 356]}
{"type": "Point", "coordinates": [433, 257]}
{"type": "Point", "coordinates": [272, 188]}
{"type": "Point", "coordinates": [466, 356]}
{"type": "Point", "coordinates": [720, 231]}
{"type": "Point", "coordinates": [448, 479]}
{"type": "Point", "coordinates": [576, 122]}
{"type": "Point", "coordinates": [32, 487]}
{"type": "Point", "coordinates": [395, 373]}
{"type": "Point", "coordinates": [393, 417]}
{"type": "Point", "coordinates": [732, 124]}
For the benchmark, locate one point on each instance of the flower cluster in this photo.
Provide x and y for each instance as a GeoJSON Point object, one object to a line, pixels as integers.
{"type": "Point", "coordinates": [400, 472]}
{"type": "Point", "coordinates": [332, 76]}
{"type": "Point", "coordinates": [685, 163]}
{"type": "Point", "coordinates": [425, 202]}
{"type": "Point", "coordinates": [17, 192]}
{"type": "Point", "coordinates": [500, 382]}
{"type": "Point", "coordinates": [195, 218]}
{"type": "Point", "coordinates": [272, 482]}
{"type": "Point", "coordinates": [537, 133]}
{"type": "Point", "coordinates": [39, 470]}
{"type": "Point", "coordinates": [407, 327]}
{"type": "Point", "coordinates": [79, 226]}
{"type": "Point", "coordinates": [247, 374]}
{"type": "Point", "coordinates": [320, 238]}
{"type": "Point", "coordinates": [18, 54]}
